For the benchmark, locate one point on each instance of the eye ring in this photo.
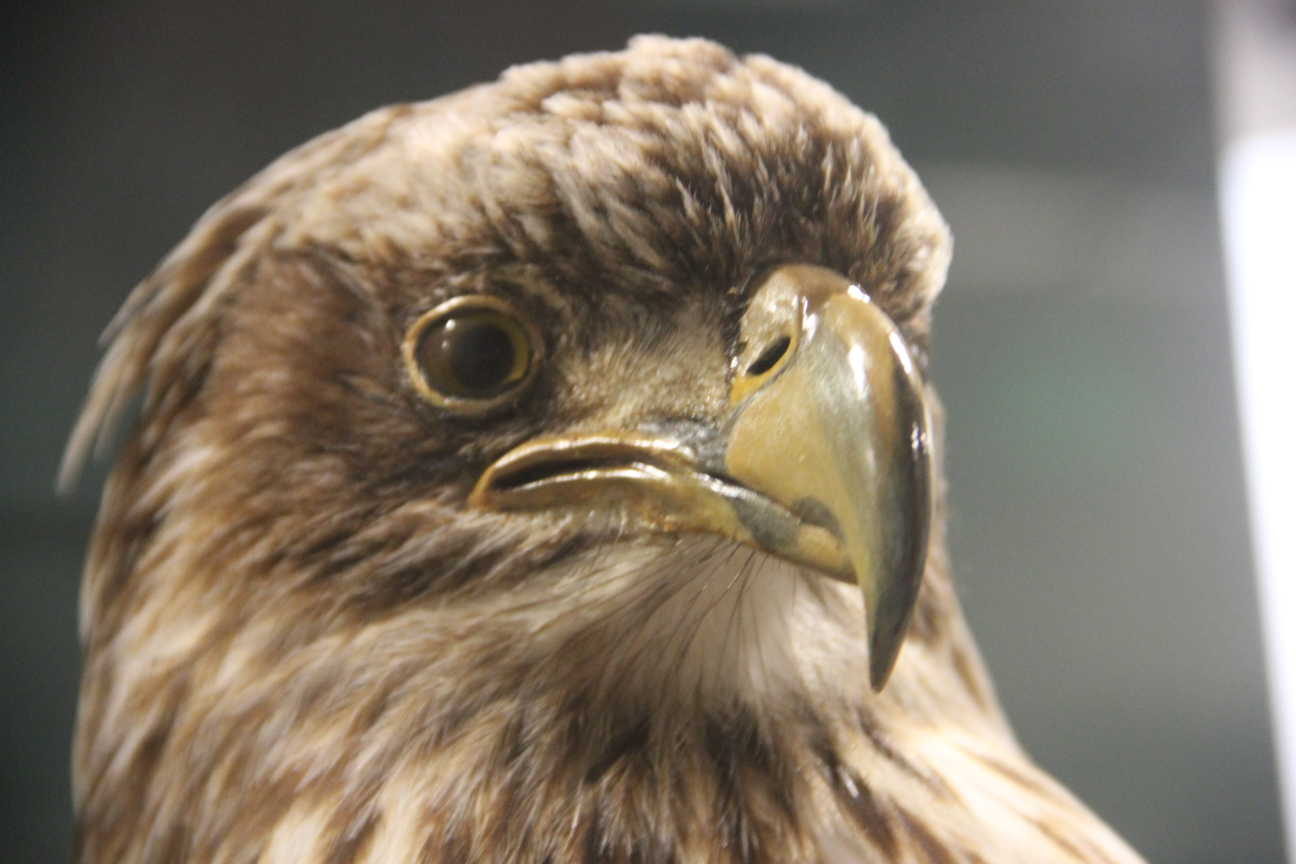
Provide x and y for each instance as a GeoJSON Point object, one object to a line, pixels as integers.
{"type": "Point", "coordinates": [472, 354]}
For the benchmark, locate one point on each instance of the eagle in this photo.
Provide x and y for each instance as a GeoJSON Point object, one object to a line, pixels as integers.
{"type": "Point", "coordinates": [549, 472]}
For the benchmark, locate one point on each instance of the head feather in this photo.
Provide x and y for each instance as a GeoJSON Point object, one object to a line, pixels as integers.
{"type": "Point", "coordinates": [670, 162]}
{"type": "Point", "coordinates": [300, 646]}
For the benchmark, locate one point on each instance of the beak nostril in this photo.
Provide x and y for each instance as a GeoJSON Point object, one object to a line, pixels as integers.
{"type": "Point", "coordinates": [771, 355]}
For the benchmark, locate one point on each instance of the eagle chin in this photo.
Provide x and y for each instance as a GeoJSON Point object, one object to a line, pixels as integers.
{"type": "Point", "coordinates": [548, 472]}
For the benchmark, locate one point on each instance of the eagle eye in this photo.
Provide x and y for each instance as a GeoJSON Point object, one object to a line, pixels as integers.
{"type": "Point", "coordinates": [471, 354]}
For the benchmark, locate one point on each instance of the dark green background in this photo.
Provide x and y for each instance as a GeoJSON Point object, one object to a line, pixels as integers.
{"type": "Point", "coordinates": [1099, 527]}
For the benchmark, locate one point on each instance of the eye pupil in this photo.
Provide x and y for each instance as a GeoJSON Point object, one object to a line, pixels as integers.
{"type": "Point", "coordinates": [481, 355]}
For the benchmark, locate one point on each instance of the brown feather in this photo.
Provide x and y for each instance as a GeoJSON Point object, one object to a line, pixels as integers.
{"type": "Point", "coordinates": [301, 647]}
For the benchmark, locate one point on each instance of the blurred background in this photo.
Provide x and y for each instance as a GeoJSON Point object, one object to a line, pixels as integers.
{"type": "Point", "coordinates": [1100, 529]}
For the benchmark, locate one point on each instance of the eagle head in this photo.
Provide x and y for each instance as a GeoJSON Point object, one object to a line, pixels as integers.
{"type": "Point", "coordinates": [507, 472]}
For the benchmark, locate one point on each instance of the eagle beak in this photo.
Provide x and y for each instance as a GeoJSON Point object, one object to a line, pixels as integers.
{"type": "Point", "coordinates": [836, 429]}
{"type": "Point", "coordinates": [822, 457]}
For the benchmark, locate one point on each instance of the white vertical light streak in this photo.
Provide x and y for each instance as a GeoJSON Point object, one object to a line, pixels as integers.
{"type": "Point", "coordinates": [1258, 204]}
{"type": "Point", "coordinates": [1256, 77]}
